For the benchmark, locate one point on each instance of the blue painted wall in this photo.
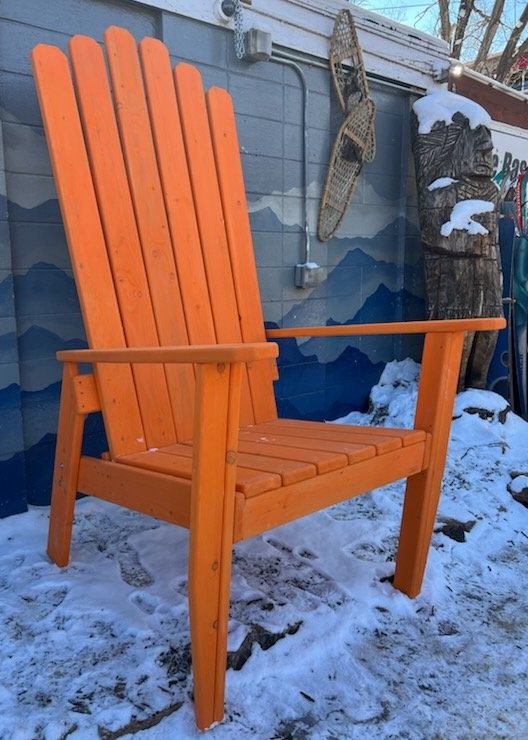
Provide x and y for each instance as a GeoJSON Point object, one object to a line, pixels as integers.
{"type": "Point", "coordinates": [373, 268]}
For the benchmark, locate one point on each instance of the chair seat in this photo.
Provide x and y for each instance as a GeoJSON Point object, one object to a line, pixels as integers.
{"type": "Point", "coordinates": [286, 451]}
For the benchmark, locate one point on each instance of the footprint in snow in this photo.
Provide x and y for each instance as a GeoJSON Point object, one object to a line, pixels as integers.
{"type": "Point", "coordinates": [145, 602]}
{"type": "Point", "coordinates": [41, 603]}
{"type": "Point", "coordinates": [283, 577]}
{"type": "Point", "coordinates": [366, 551]}
{"type": "Point", "coordinates": [304, 552]}
{"type": "Point", "coordinates": [131, 569]}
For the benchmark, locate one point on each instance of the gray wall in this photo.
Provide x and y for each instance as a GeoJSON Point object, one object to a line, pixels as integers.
{"type": "Point", "coordinates": [373, 268]}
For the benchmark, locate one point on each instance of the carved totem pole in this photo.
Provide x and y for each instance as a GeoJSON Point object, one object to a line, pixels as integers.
{"type": "Point", "coordinates": [459, 217]}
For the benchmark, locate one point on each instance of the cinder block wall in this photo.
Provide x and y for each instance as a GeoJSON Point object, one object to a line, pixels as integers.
{"type": "Point", "coordinates": [373, 269]}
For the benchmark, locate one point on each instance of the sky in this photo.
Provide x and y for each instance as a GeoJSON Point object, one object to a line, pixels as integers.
{"type": "Point", "coordinates": [405, 12]}
{"type": "Point", "coordinates": [409, 12]}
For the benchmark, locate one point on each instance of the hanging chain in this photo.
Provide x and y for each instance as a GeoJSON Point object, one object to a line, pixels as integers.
{"type": "Point", "coordinates": [240, 45]}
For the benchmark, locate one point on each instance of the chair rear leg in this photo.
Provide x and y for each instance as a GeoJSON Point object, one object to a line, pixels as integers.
{"type": "Point", "coordinates": [436, 395]}
{"type": "Point", "coordinates": [66, 470]}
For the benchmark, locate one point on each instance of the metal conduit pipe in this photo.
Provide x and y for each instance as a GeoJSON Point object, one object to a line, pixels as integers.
{"type": "Point", "coordinates": [306, 275]}
{"type": "Point", "coordinates": [279, 58]}
{"type": "Point", "coordinates": [256, 45]}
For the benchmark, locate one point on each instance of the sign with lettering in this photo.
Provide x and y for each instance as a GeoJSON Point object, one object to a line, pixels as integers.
{"type": "Point", "coordinates": [510, 148]}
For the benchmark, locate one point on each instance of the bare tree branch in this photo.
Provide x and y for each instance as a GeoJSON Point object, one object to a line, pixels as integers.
{"type": "Point", "coordinates": [507, 58]}
{"type": "Point", "coordinates": [491, 30]}
{"type": "Point", "coordinates": [482, 14]}
{"type": "Point", "coordinates": [464, 11]}
{"type": "Point", "coordinates": [445, 25]}
{"type": "Point", "coordinates": [421, 15]}
{"type": "Point", "coordinates": [473, 29]}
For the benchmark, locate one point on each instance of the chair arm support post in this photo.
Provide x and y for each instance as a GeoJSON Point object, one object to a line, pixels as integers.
{"type": "Point", "coordinates": [438, 383]}
{"type": "Point", "coordinates": [216, 426]}
{"type": "Point", "coordinates": [436, 394]}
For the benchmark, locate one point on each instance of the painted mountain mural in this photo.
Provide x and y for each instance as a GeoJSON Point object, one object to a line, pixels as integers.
{"type": "Point", "coordinates": [382, 306]}
{"type": "Point", "coordinates": [309, 389]}
{"type": "Point", "coordinates": [377, 277]}
{"type": "Point", "coordinates": [13, 490]}
{"type": "Point", "coordinates": [38, 343]}
{"type": "Point", "coordinates": [45, 289]}
{"type": "Point", "coordinates": [319, 379]}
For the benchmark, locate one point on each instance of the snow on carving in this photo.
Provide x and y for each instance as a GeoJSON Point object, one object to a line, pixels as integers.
{"type": "Point", "coordinates": [441, 182]}
{"type": "Point", "coordinates": [442, 106]}
{"type": "Point", "coordinates": [462, 217]}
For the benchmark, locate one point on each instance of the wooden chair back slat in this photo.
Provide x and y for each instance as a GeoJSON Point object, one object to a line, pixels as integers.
{"type": "Point", "coordinates": [233, 194]}
{"type": "Point", "coordinates": [208, 208]}
{"type": "Point", "coordinates": [172, 163]}
{"type": "Point", "coordinates": [168, 259]}
{"type": "Point", "coordinates": [149, 206]}
{"type": "Point", "coordinates": [87, 244]}
{"type": "Point", "coordinates": [122, 238]}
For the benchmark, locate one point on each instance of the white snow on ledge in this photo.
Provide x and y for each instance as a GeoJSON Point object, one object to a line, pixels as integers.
{"type": "Point", "coordinates": [442, 182]}
{"type": "Point", "coordinates": [461, 217]}
{"type": "Point", "coordinates": [442, 106]}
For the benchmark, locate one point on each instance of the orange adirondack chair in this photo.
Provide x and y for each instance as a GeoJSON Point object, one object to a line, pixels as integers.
{"type": "Point", "coordinates": [152, 196]}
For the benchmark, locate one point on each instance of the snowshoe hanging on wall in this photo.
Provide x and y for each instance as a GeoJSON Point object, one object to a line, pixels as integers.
{"type": "Point", "coordinates": [355, 142]}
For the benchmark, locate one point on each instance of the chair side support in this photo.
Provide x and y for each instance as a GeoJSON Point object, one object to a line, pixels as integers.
{"type": "Point", "coordinates": [436, 394]}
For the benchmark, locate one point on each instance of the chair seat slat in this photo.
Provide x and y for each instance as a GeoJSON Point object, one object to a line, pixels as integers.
{"type": "Point", "coordinates": [353, 451]}
{"type": "Point", "coordinates": [324, 461]}
{"type": "Point", "coordinates": [177, 460]}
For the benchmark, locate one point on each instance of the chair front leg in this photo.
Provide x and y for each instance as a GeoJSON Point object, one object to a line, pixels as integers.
{"type": "Point", "coordinates": [216, 424]}
{"type": "Point", "coordinates": [66, 469]}
{"type": "Point", "coordinates": [436, 395]}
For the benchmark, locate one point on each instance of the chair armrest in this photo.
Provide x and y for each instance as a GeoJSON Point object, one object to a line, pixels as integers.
{"type": "Point", "coordinates": [395, 327]}
{"type": "Point", "coordinates": [203, 354]}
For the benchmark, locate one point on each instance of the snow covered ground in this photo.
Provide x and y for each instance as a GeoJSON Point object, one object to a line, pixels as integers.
{"type": "Point", "coordinates": [323, 646]}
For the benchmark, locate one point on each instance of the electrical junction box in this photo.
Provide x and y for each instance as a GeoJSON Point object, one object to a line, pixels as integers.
{"type": "Point", "coordinates": [308, 275]}
{"type": "Point", "coordinates": [257, 45]}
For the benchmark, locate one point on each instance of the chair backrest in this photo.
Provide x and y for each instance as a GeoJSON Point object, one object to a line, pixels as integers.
{"type": "Point", "coordinates": [151, 191]}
